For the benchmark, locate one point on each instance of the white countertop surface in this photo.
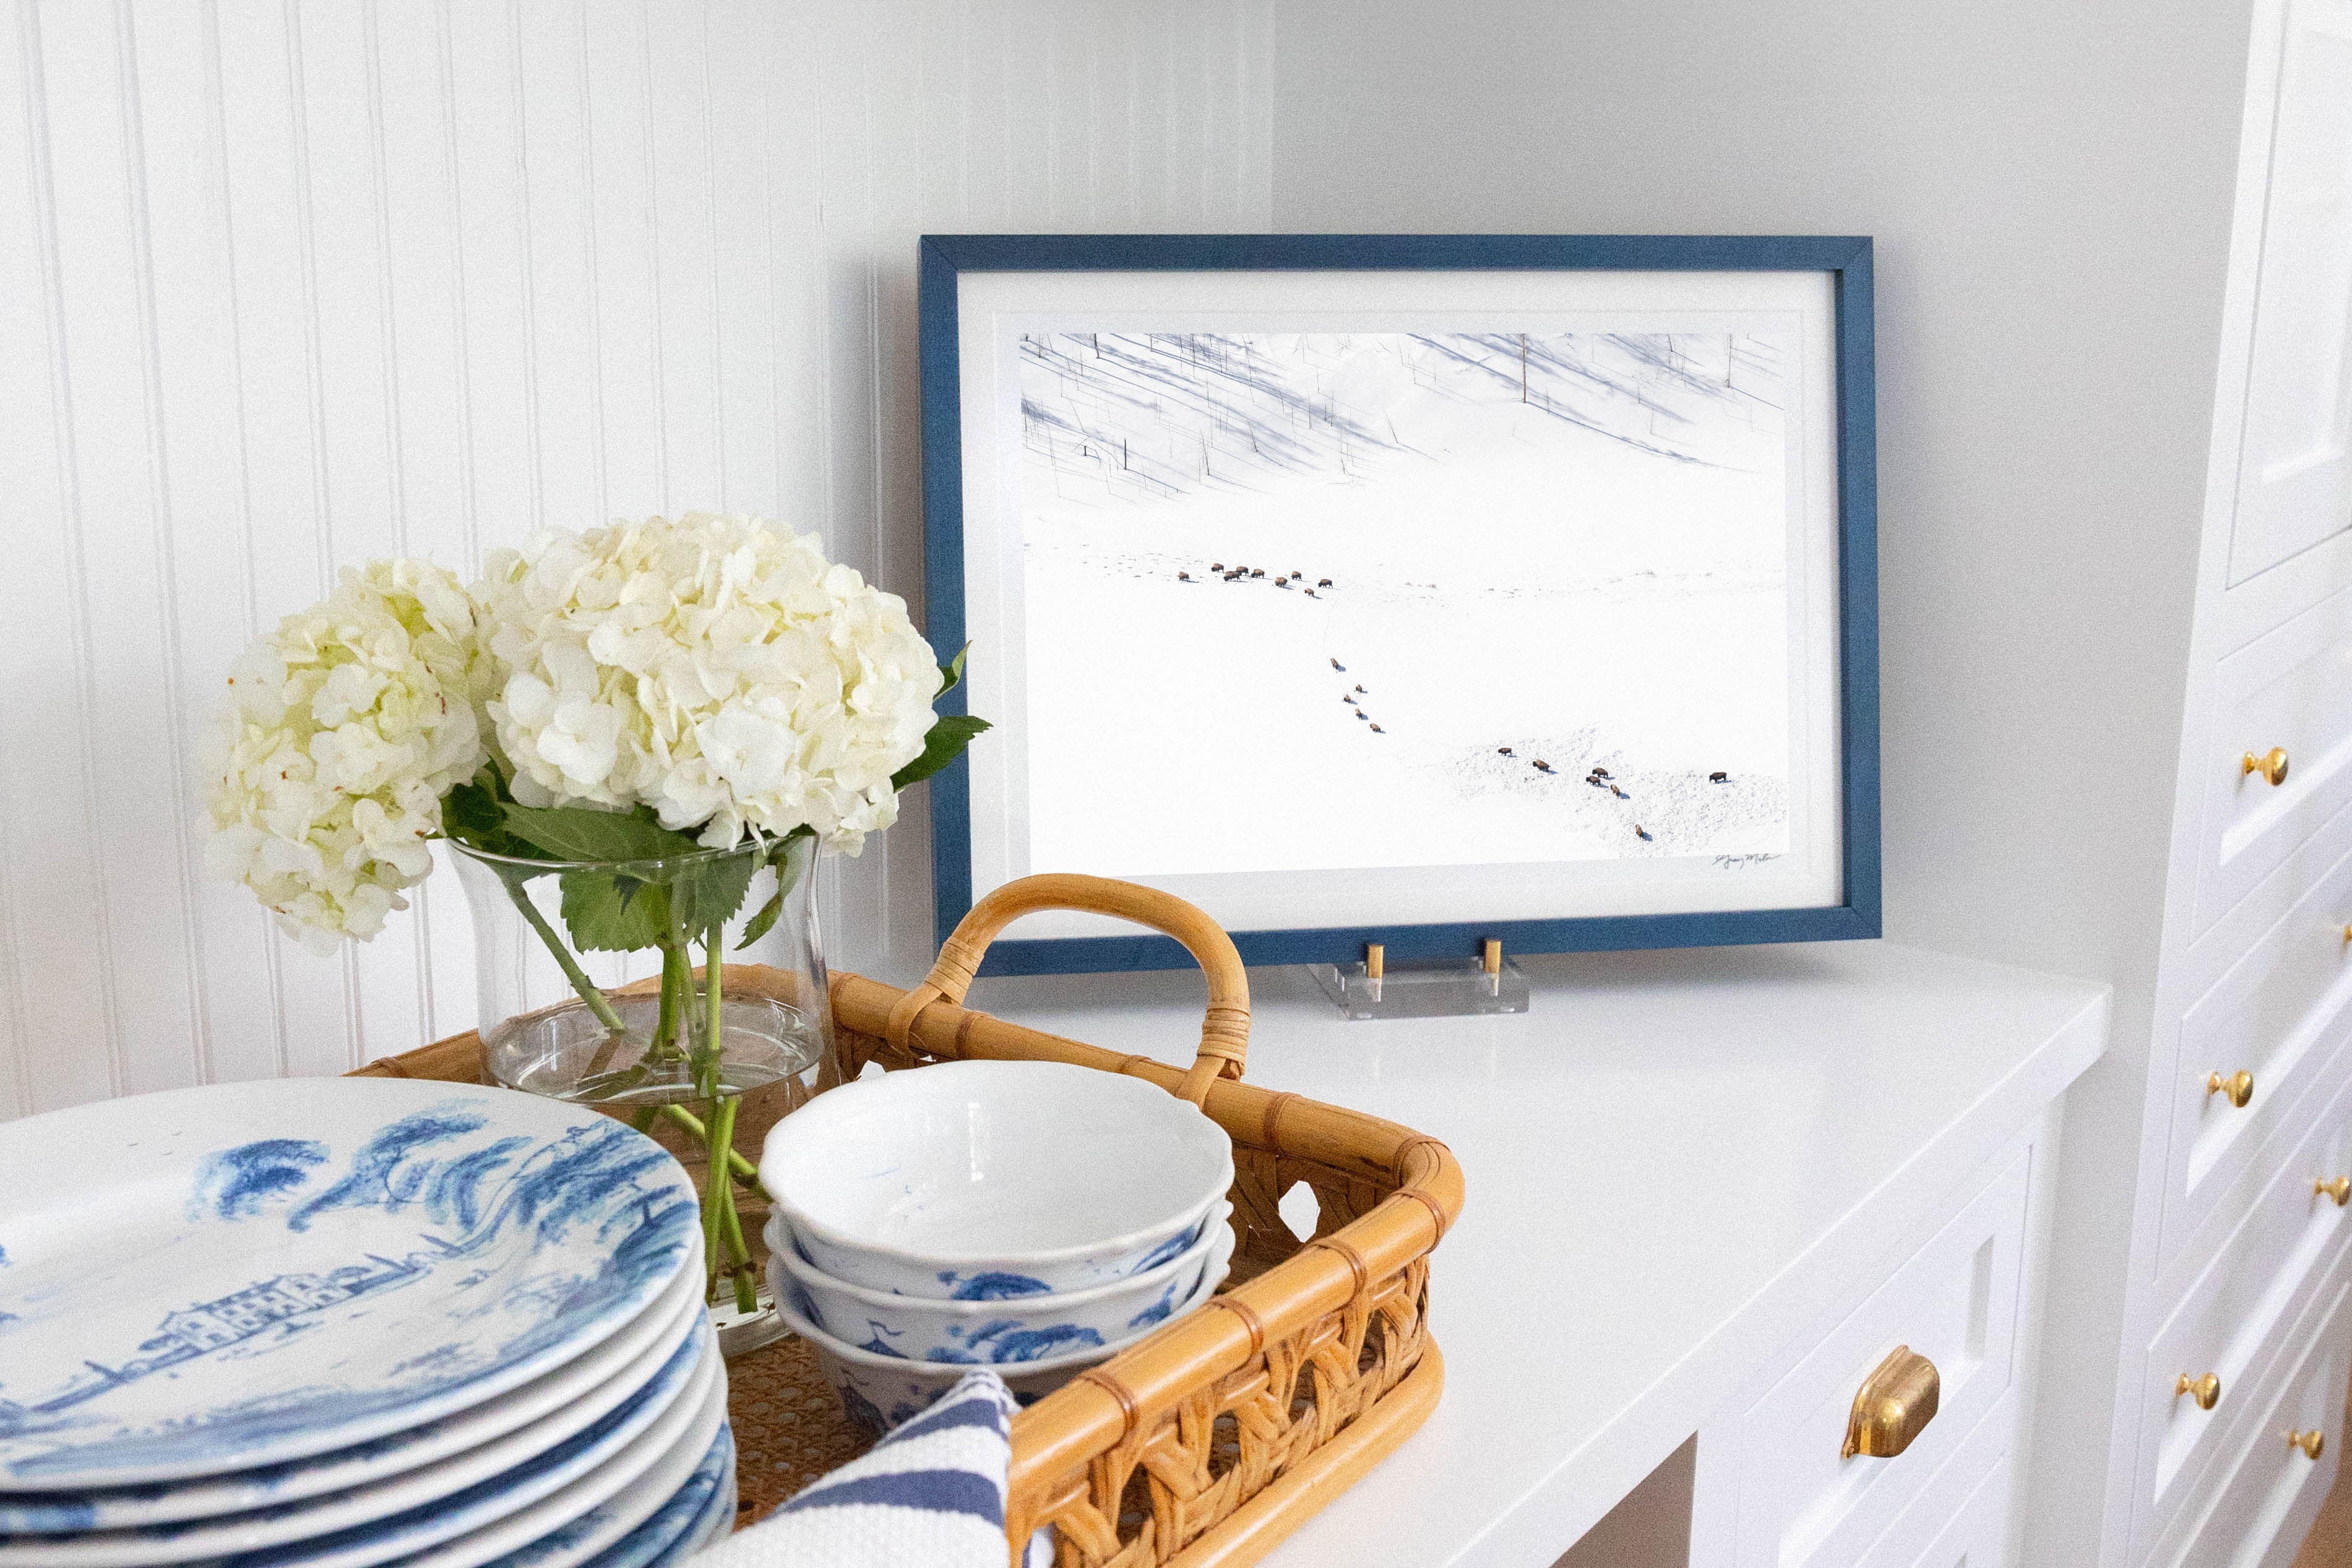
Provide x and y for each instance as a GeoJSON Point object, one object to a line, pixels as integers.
{"type": "Point", "coordinates": [1676, 1161]}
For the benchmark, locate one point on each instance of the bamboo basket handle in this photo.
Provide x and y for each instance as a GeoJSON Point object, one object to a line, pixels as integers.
{"type": "Point", "coordinates": [1224, 1033]}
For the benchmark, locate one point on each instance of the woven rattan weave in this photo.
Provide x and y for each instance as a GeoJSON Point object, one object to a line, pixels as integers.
{"type": "Point", "coordinates": [1209, 1440]}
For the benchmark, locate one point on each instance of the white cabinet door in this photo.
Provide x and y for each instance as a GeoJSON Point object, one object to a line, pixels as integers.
{"type": "Point", "coordinates": [1803, 1502]}
{"type": "Point", "coordinates": [2294, 467]}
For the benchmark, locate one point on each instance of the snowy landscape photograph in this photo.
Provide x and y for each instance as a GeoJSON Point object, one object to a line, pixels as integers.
{"type": "Point", "coordinates": [1342, 600]}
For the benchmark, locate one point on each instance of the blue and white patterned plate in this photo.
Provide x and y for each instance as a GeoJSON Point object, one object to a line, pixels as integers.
{"type": "Point", "coordinates": [244, 1274]}
{"type": "Point", "coordinates": [716, 1520]}
{"type": "Point", "coordinates": [695, 1515]}
{"type": "Point", "coordinates": [567, 1530]}
{"type": "Point", "coordinates": [413, 1512]}
{"type": "Point", "coordinates": [503, 1432]}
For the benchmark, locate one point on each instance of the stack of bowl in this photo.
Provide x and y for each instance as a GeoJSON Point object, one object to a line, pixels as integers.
{"type": "Point", "coordinates": [1033, 1216]}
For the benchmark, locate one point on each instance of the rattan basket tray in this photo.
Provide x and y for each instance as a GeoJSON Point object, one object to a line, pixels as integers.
{"type": "Point", "coordinates": [1209, 1440]}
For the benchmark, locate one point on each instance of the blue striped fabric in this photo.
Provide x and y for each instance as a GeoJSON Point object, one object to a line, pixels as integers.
{"type": "Point", "coordinates": [955, 1491]}
{"type": "Point", "coordinates": [929, 1495]}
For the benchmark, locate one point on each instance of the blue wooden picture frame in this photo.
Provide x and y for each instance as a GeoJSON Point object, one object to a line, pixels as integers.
{"type": "Point", "coordinates": [1846, 260]}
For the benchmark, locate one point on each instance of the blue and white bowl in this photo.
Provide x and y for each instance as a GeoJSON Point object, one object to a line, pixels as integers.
{"type": "Point", "coordinates": [1003, 1323]}
{"type": "Point", "coordinates": [1037, 1176]}
{"type": "Point", "coordinates": [878, 1392]}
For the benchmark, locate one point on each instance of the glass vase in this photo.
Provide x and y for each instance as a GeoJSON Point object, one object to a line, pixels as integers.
{"type": "Point", "coordinates": [595, 987]}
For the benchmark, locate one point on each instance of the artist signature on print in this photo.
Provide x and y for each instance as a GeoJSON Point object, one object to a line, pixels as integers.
{"type": "Point", "coordinates": [1741, 862]}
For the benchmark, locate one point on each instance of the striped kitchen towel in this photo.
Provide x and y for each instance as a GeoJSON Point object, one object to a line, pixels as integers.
{"type": "Point", "coordinates": [929, 1495]}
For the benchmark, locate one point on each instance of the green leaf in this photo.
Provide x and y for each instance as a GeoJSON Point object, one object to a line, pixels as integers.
{"type": "Point", "coordinates": [952, 671]}
{"type": "Point", "coordinates": [791, 858]}
{"type": "Point", "coordinates": [472, 814]}
{"type": "Point", "coordinates": [580, 833]}
{"type": "Point", "coordinates": [471, 809]}
{"type": "Point", "coordinates": [943, 744]}
{"type": "Point", "coordinates": [761, 924]}
{"type": "Point", "coordinates": [794, 857]}
{"type": "Point", "coordinates": [709, 894]}
{"type": "Point", "coordinates": [609, 913]}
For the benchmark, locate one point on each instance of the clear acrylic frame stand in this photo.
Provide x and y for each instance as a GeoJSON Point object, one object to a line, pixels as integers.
{"type": "Point", "coordinates": [1444, 988]}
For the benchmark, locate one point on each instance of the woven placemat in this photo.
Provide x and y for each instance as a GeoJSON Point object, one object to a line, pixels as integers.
{"type": "Point", "coordinates": [789, 1428]}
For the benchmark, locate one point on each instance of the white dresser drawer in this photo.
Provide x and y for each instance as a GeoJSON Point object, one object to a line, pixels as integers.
{"type": "Point", "coordinates": [1802, 1505]}
{"type": "Point", "coordinates": [2235, 1314]}
{"type": "Point", "coordinates": [1978, 1534]}
{"type": "Point", "coordinates": [2278, 1013]}
{"type": "Point", "coordinates": [1975, 1534]}
{"type": "Point", "coordinates": [2290, 690]}
{"type": "Point", "coordinates": [2265, 1506]}
{"type": "Point", "coordinates": [2270, 599]}
{"type": "Point", "coordinates": [1960, 1518]}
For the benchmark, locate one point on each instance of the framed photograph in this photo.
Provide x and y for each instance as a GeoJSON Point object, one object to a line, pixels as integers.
{"type": "Point", "coordinates": [1416, 590]}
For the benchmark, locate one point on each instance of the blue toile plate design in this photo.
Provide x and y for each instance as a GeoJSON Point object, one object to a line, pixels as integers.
{"type": "Point", "coordinates": [698, 1513]}
{"type": "Point", "coordinates": [522, 1421]}
{"type": "Point", "coordinates": [244, 1274]}
{"type": "Point", "coordinates": [715, 1521]}
{"type": "Point", "coordinates": [572, 1526]}
{"type": "Point", "coordinates": [411, 1511]}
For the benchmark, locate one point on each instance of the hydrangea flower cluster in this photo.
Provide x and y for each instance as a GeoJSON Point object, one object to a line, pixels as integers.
{"type": "Point", "coordinates": [711, 674]}
{"type": "Point", "coordinates": [342, 729]}
{"type": "Point", "coordinates": [714, 669]}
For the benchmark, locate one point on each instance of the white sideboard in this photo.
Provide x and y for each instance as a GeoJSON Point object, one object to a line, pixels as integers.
{"type": "Point", "coordinates": [1709, 1192]}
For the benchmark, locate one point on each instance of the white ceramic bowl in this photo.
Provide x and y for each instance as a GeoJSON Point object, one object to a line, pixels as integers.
{"type": "Point", "coordinates": [969, 1180]}
{"type": "Point", "coordinates": [880, 1391]}
{"type": "Point", "coordinates": [1007, 1329]}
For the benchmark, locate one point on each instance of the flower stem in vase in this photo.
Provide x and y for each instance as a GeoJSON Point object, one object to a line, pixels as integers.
{"type": "Point", "coordinates": [714, 1017]}
{"type": "Point", "coordinates": [585, 987]}
{"type": "Point", "coordinates": [597, 1084]}
{"type": "Point", "coordinates": [741, 1169]}
{"type": "Point", "coordinates": [723, 1230]}
{"type": "Point", "coordinates": [723, 1242]}
{"type": "Point", "coordinates": [666, 1023]}
{"type": "Point", "coordinates": [738, 1255]}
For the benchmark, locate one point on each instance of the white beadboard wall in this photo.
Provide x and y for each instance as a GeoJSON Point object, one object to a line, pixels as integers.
{"type": "Point", "coordinates": [288, 284]}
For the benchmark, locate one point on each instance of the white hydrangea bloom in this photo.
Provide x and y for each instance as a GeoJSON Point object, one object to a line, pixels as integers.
{"type": "Point", "coordinates": [342, 729]}
{"type": "Point", "coordinates": [716, 669]}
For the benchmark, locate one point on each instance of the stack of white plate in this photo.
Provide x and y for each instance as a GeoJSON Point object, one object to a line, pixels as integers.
{"type": "Point", "coordinates": [345, 1322]}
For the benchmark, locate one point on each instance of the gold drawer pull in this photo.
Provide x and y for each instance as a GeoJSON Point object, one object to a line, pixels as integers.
{"type": "Point", "coordinates": [2339, 1188]}
{"type": "Point", "coordinates": [2206, 1389]}
{"type": "Point", "coordinates": [2238, 1086]}
{"type": "Point", "coordinates": [2313, 1442]}
{"type": "Point", "coordinates": [1893, 1407]}
{"type": "Point", "coordinates": [2271, 764]}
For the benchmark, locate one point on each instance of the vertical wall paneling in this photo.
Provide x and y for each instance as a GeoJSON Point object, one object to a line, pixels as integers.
{"type": "Point", "coordinates": [196, 353]}
{"type": "Point", "coordinates": [119, 540]}
{"type": "Point", "coordinates": [289, 284]}
{"type": "Point", "coordinates": [61, 1011]}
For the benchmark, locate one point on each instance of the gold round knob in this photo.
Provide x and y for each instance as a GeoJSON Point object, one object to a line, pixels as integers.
{"type": "Point", "coordinates": [2313, 1442]}
{"type": "Point", "coordinates": [2206, 1389]}
{"type": "Point", "coordinates": [2239, 1086]}
{"type": "Point", "coordinates": [2339, 1188]}
{"type": "Point", "coordinates": [2271, 764]}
